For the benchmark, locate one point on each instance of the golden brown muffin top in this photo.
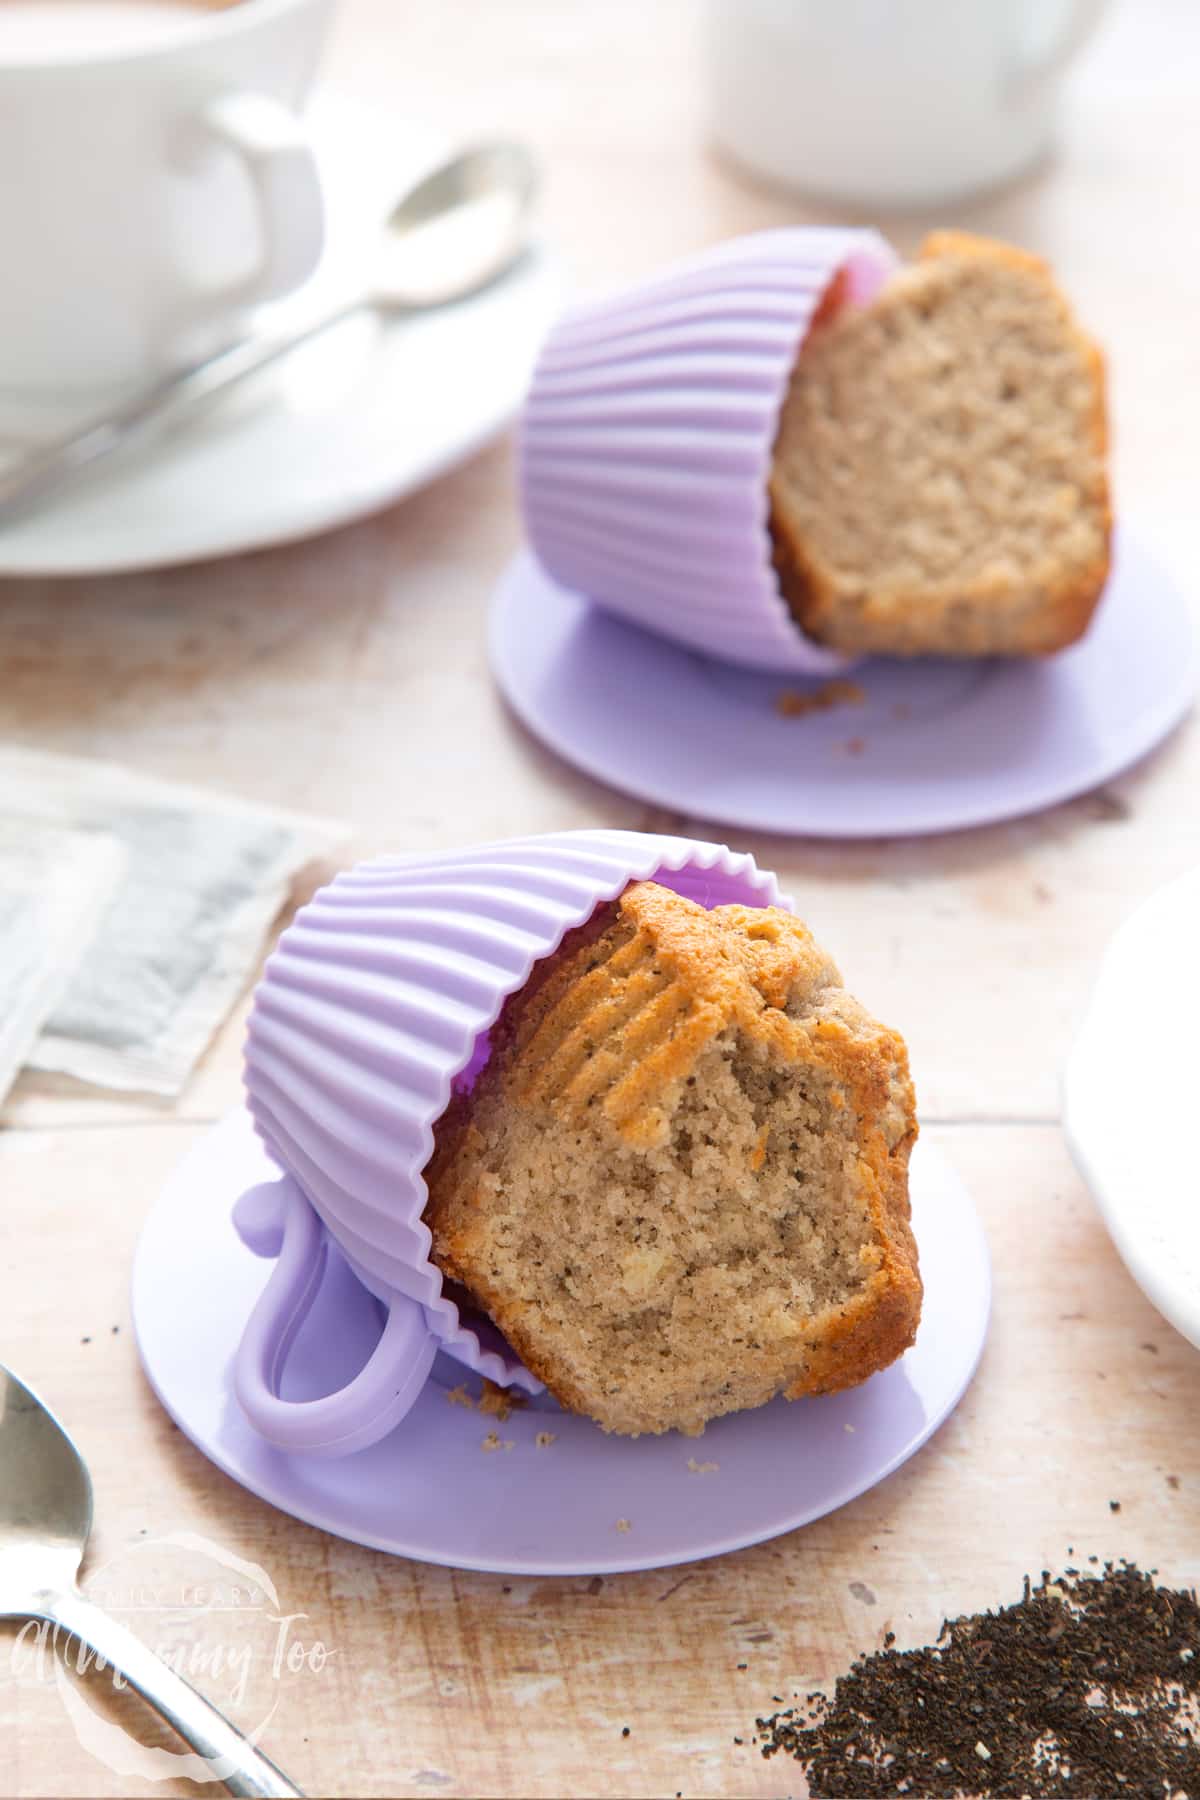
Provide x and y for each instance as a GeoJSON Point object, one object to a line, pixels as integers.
{"type": "Point", "coordinates": [620, 1019]}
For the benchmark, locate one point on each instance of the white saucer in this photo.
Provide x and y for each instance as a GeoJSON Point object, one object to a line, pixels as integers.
{"type": "Point", "coordinates": [355, 420]}
{"type": "Point", "coordinates": [930, 746]}
{"type": "Point", "coordinates": [1129, 1093]}
{"type": "Point", "coordinates": [583, 1503]}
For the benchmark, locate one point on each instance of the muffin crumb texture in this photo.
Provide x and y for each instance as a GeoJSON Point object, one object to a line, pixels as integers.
{"type": "Point", "coordinates": [679, 1186]}
{"type": "Point", "coordinates": [939, 482]}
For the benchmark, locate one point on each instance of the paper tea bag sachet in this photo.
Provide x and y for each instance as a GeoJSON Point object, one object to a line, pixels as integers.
{"type": "Point", "coordinates": [54, 885]}
{"type": "Point", "coordinates": [205, 875]}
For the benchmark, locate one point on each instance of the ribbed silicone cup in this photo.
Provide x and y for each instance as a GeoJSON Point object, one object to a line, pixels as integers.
{"type": "Point", "coordinates": [646, 440]}
{"type": "Point", "coordinates": [378, 1000]}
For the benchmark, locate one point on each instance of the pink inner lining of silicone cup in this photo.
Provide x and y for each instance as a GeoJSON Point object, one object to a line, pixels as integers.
{"type": "Point", "coordinates": [865, 275]}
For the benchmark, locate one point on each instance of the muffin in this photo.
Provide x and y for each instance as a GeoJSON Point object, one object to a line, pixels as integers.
{"type": "Point", "coordinates": [378, 1005]}
{"type": "Point", "coordinates": [792, 451]}
{"type": "Point", "coordinates": [679, 1185]}
{"type": "Point", "coordinates": [938, 483]}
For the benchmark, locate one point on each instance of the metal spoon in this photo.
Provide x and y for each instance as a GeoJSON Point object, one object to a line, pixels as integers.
{"type": "Point", "coordinates": [45, 1519]}
{"type": "Point", "coordinates": [461, 228]}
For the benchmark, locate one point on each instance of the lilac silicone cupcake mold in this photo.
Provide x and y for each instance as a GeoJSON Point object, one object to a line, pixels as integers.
{"type": "Point", "coordinates": [646, 440]}
{"type": "Point", "coordinates": [376, 1004]}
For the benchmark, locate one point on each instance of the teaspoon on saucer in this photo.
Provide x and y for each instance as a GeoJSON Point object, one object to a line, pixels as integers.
{"type": "Point", "coordinates": [460, 229]}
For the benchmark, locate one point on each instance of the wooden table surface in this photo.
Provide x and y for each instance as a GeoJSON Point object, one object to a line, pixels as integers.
{"type": "Point", "coordinates": [347, 676]}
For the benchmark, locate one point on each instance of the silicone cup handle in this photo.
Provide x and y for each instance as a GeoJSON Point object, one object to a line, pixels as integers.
{"type": "Point", "coordinates": [277, 1220]}
{"type": "Point", "coordinates": [1035, 71]}
{"type": "Point", "coordinates": [269, 140]}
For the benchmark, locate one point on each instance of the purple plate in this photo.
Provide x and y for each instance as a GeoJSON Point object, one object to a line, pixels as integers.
{"type": "Point", "coordinates": [582, 1504]}
{"type": "Point", "coordinates": [933, 745]}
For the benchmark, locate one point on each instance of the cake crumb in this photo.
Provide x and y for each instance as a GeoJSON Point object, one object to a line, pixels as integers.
{"type": "Point", "coordinates": [458, 1396]}
{"type": "Point", "coordinates": [855, 746]}
{"type": "Point", "coordinates": [544, 1439]}
{"type": "Point", "coordinates": [624, 1525]}
{"type": "Point", "coordinates": [791, 704]}
{"type": "Point", "coordinates": [758, 998]}
{"type": "Point", "coordinates": [492, 1442]}
{"type": "Point", "coordinates": [701, 1468]}
{"type": "Point", "coordinates": [499, 1402]}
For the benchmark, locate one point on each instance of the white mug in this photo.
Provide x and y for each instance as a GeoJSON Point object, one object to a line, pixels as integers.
{"type": "Point", "coordinates": [889, 102]}
{"type": "Point", "coordinates": [155, 182]}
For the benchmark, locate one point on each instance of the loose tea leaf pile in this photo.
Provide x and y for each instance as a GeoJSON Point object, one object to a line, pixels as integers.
{"type": "Point", "coordinates": [1088, 1685]}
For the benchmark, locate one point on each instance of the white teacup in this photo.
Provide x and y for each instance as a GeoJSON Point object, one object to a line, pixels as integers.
{"type": "Point", "coordinates": [155, 181]}
{"type": "Point", "coordinates": [890, 102]}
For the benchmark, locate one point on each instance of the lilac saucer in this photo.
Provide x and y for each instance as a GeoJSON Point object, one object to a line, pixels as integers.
{"type": "Point", "coordinates": [933, 745]}
{"type": "Point", "coordinates": [584, 1503]}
